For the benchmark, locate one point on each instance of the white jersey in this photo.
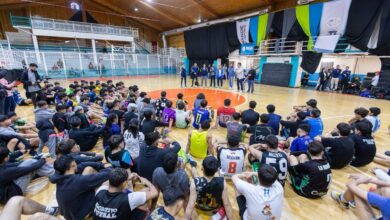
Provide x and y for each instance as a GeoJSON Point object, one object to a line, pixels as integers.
{"type": "Point", "coordinates": [262, 203]}
{"type": "Point", "coordinates": [232, 160]}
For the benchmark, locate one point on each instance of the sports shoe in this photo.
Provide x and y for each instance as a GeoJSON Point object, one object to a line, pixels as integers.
{"type": "Point", "coordinates": [337, 196]}
{"type": "Point", "coordinates": [52, 211]}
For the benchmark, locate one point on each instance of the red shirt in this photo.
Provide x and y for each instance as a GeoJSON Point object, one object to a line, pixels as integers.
{"type": "Point", "coordinates": [225, 114]}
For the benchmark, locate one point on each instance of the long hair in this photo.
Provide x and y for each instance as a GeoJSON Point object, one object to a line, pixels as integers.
{"type": "Point", "coordinates": [110, 120]}
{"type": "Point", "coordinates": [133, 127]}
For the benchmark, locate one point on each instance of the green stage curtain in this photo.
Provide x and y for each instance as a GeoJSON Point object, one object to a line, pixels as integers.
{"type": "Point", "coordinates": [262, 28]}
{"type": "Point", "coordinates": [302, 13]}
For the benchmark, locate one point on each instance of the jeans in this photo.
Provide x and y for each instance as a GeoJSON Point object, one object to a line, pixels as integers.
{"type": "Point", "coordinates": [2, 106]}
{"type": "Point", "coordinates": [51, 143]}
{"type": "Point", "coordinates": [240, 84]}
{"type": "Point", "coordinates": [194, 79]}
{"type": "Point", "coordinates": [231, 78]}
{"type": "Point", "coordinates": [45, 170]}
{"type": "Point", "coordinates": [9, 105]}
{"type": "Point", "coordinates": [212, 81]}
{"type": "Point", "coordinates": [35, 97]}
{"type": "Point", "coordinates": [183, 78]}
{"type": "Point", "coordinates": [204, 79]}
{"type": "Point", "coordinates": [220, 82]}
{"type": "Point", "coordinates": [251, 86]}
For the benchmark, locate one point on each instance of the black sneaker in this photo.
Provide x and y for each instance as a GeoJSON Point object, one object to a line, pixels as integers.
{"type": "Point", "coordinates": [387, 153]}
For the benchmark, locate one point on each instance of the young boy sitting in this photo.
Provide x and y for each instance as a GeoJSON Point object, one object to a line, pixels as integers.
{"type": "Point", "coordinates": [183, 117]}
{"type": "Point", "coordinates": [300, 144]}
{"type": "Point", "coordinates": [116, 154]}
{"type": "Point", "coordinates": [310, 177]}
{"type": "Point", "coordinates": [374, 119]}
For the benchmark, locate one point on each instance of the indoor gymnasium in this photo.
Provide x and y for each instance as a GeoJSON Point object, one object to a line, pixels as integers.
{"type": "Point", "coordinates": [194, 109]}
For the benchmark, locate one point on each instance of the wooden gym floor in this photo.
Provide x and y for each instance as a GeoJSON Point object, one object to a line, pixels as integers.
{"type": "Point", "coordinates": [335, 108]}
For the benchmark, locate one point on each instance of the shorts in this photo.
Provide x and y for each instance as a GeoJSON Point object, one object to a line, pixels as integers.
{"type": "Point", "coordinates": [241, 202]}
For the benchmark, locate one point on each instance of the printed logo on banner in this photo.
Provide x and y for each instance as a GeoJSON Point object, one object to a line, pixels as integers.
{"type": "Point", "coordinates": [247, 49]}
{"type": "Point", "coordinates": [243, 31]}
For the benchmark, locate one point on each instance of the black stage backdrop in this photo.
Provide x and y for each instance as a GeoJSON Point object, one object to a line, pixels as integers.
{"type": "Point", "coordinates": [383, 47]}
{"type": "Point", "coordinates": [210, 43]}
{"type": "Point", "coordinates": [361, 22]}
{"type": "Point", "coordinates": [310, 61]}
{"type": "Point", "coordinates": [384, 80]}
{"type": "Point", "coordinates": [276, 74]}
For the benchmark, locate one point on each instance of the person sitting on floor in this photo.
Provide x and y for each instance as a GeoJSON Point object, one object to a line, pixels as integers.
{"type": "Point", "coordinates": [374, 118]}
{"type": "Point", "coordinates": [260, 131]}
{"type": "Point", "coordinates": [199, 142]}
{"type": "Point", "coordinates": [274, 119]}
{"type": "Point", "coordinates": [116, 154]}
{"type": "Point", "coordinates": [339, 150]}
{"type": "Point", "coordinates": [270, 154]}
{"type": "Point", "coordinates": [209, 192]}
{"type": "Point", "coordinates": [365, 148]}
{"type": "Point", "coordinates": [75, 193]}
{"type": "Point", "coordinates": [86, 138]}
{"type": "Point", "coordinates": [310, 178]}
{"type": "Point", "coordinates": [365, 200]}
{"type": "Point", "coordinates": [174, 200]}
{"type": "Point", "coordinates": [114, 201]}
{"type": "Point", "coordinates": [263, 201]}
{"type": "Point", "coordinates": [231, 157]}
{"type": "Point", "coordinates": [302, 141]}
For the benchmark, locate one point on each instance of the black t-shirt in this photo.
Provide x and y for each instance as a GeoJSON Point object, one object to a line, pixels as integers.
{"type": "Point", "coordinates": [279, 161]}
{"type": "Point", "coordinates": [340, 152]}
{"type": "Point", "coordinates": [148, 126]}
{"type": "Point", "coordinates": [365, 150]}
{"type": "Point", "coordinates": [312, 178]}
{"type": "Point", "coordinates": [250, 117]}
{"type": "Point", "coordinates": [160, 104]}
{"type": "Point", "coordinates": [292, 126]}
{"type": "Point", "coordinates": [209, 194]}
{"type": "Point", "coordinates": [259, 132]}
{"type": "Point", "coordinates": [111, 206]}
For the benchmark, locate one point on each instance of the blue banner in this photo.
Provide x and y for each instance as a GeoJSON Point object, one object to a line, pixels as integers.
{"type": "Point", "coordinates": [247, 49]}
{"type": "Point", "coordinates": [315, 12]}
{"type": "Point", "coordinates": [253, 23]}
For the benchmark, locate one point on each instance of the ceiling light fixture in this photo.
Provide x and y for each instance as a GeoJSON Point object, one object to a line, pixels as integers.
{"type": "Point", "coordinates": [135, 9]}
{"type": "Point", "coordinates": [199, 20]}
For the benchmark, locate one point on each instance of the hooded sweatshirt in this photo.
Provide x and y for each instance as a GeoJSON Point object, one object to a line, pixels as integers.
{"type": "Point", "coordinates": [150, 157]}
{"type": "Point", "coordinates": [45, 128]}
{"type": "Point", "coordinates": [43, 114]}
{"type": "Point", "coordinates": [76, 193]}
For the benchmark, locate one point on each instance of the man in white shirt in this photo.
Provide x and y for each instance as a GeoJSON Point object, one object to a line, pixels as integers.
{"type": "Point", "coordinates": [240, 77]}
{"type": "Point", "coordinates": [375, 79]}
{"type": "Point", "coordinates": [259, 202]}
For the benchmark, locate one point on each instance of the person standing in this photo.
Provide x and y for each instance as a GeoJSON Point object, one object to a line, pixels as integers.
{"type": "Point", "coordinates": [204, 73]}
{"type": "Point", "coordinates": [322, 80]}
{"type": "Point", "coordinates": [240, 77]}
{"type": "Point", "coordinates": [345, 77]}
{"type": "Point", "coordinates": [251, 79]}
{"type": "Point", "coordinates": [212, 75]}
{"type": "Point", "coordinates": [335, 78]}
{"type": "Point", "coordinates": [183, 74]}
{"type": "Point", "coordinates": [220, 76]}
{"type": "Point", "coordinates": [231, 75]}
{"type": "Point", "coordinates": [194, 74]}
{"type": "Point", "coordinates": [31, 80]}
{"type": "Point", "coordinates": [9, 103]}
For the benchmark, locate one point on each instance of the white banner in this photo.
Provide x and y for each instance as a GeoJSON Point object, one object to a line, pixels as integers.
{"type": "Point", "coordinates": [334, 17]}
{"type": "Point", "coordinates": [243, 31]}
{"type": "Point", "coordinates": [333, 22]}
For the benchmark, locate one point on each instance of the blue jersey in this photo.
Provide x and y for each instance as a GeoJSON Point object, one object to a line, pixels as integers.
{"type": "Point", "coordinates": [301, 143]}
{"type": "Point", "coordinates": [316, 127]}
{"type": "Point", "coordinates": [200, 115]}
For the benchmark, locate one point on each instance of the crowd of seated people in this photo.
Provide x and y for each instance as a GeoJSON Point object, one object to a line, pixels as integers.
{"type": "Point", "coordinates": [140, 161]}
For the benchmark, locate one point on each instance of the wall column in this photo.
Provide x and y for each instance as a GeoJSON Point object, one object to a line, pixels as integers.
{"type": "Point", "coordinates": [94, 52]}
{"type": "Point", "coordinates": [36, 48]}
{"type": "Point", "coordinates": [263, 60]}
{"type": "Point", "coordinates": [296, 72]}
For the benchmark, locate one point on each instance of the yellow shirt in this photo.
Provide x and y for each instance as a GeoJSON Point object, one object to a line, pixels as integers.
{"type": "Point", "coordinates": [198, 144]}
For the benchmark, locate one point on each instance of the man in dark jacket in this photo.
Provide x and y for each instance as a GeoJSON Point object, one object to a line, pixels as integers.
{"type": "Point", "coordinates": [15, 177]}
{"type": "Point", "coordinates": [85, 137]}
{"type": "Point", "coordinates": [31, 80]}
{"type": "Point", "coordinates": [76, 192]}
{"type": "Point", "coordinates": [151, 156]}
